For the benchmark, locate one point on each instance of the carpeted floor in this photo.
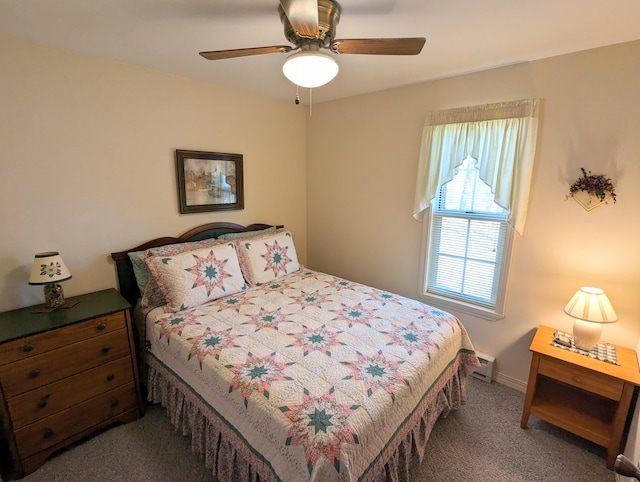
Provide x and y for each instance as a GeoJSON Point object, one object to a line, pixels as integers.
{"type": "Point", "coordinates": [482, 442]}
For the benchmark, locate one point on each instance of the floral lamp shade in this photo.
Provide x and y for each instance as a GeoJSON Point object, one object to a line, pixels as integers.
{"type": "Point", "coordinates": [49, 269]}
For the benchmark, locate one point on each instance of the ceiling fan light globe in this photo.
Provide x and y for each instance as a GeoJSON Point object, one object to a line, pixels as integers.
{"type": "Point", "coordinates": [310, 69]}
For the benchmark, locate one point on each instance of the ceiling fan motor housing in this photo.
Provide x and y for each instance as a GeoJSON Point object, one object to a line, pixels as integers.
{"type": "Point", "coordinates": [328, 17]}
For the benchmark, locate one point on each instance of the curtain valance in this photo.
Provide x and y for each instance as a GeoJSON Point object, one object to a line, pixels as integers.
{"type": "Point", "coordinates": [501, 137]}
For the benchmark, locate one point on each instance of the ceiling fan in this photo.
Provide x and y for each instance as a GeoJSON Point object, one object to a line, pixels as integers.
{"type": "Point", "coordinates": [310, 25]}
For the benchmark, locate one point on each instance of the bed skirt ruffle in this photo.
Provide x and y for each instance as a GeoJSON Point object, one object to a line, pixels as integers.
{"type": "Point", "coordinates": [229, 458]}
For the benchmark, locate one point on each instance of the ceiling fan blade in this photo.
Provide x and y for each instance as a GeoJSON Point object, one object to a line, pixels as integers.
{"type": "Point", "coordinates": [230, 54]}
{"type": "Point", "coordinates": [303, 16]}
{"type": "Point", "coordinates": [379, 46]}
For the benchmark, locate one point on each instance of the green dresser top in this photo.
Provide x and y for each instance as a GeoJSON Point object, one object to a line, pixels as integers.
{"type": "Point", "coordinates": [23, 322]}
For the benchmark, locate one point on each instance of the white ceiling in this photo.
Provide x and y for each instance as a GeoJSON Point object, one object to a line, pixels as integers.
{"type": "Point", "coordinates": [462, 36]}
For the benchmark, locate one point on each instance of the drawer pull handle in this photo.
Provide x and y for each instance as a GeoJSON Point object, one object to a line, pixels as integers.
{"type": "Point", "coordinates": [114, 403]}
{"type": "Point", "coordinates": [48, 432]}
{"type": "Point", "coordinates": [43, 401]}
{"type": "Point", "coordinates": [105, 349]}
{"type": "Point", "coordinates": [102, 326]}
{"type": "Point", "coordinates": [110, 377]}
{"type": "Point", "coordinates": [34, 373]}
{"type": "Point", "coordinates": [28, 348]}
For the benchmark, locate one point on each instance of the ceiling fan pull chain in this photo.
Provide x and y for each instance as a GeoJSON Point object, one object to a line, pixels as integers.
{"type": "Point", "coordinates": [297, 95]}
{"type": "Point", "coordinates": [310, 102]}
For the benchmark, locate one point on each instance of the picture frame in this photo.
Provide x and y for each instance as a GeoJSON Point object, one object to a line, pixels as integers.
{"type": "Point", "coordinates": [209, 181]}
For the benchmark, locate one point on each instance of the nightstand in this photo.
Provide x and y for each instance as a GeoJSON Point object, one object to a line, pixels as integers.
{"type": "Point", "coordinates": [588, 397]}
{"type": "Point", "coordinates": [64, 375]}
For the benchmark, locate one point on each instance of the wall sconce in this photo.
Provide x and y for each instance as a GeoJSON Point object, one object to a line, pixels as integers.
{"type": "Point", "coordinates": [590, 307]}
{"type": "Point", "coordinates": [49, 270]}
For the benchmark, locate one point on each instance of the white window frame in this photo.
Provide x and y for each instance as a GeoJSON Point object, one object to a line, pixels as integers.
{"type": "Point", "coordinates": [502, 138]}
{"type": "Point", "coordinates": [452, 304]}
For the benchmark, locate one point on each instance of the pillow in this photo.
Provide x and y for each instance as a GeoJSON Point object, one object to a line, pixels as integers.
{"type": "Point", "coordinates": [193, 278]}
{"type": "Point", "coordinates": [152, 295]}
{"type": "Point", "coordinates": [140, 269]}
{"type": "Point", "coordinates": [267, 257]}
{"type": "Point", "coordinates": [247, 234]}
{"type": "Point", "coordinates": [171, 249]}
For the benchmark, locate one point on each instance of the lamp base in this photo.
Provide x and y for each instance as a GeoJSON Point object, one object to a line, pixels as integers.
{"type": "Point", "coordinates": [53, 295]}
{"type": "Point", "coordinates": [54, 299]}
{"type": "Point", "coordinates": [586, 334]}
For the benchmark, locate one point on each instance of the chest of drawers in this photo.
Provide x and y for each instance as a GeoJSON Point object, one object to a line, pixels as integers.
{"type": "Point", "coordinates": [64, 375]}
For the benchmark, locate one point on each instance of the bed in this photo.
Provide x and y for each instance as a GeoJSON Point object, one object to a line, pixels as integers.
{"type": "Point", "coordinates": [283, 373]}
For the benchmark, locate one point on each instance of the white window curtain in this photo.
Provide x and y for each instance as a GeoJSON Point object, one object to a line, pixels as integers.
{"type": "Point", "coordinates": [501, 137]}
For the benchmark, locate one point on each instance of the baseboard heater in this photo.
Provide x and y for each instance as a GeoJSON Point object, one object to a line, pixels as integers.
{"type": "Point", "coordinates": [485, 370]}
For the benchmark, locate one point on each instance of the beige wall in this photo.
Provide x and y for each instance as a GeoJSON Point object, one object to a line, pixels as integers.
{"type": "Point", "coordinates": [362, 164]}
{"type": "Point", "coordinates": [86, 149]}
{"type": "Point", "coordinates": [87, 169]}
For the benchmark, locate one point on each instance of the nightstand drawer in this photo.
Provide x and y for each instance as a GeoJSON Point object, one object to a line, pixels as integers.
{"type": "Point", "coordinates": [51, 430]}
{"type": "Point", "coordinates": [583, 378]}
{"type": "Point", "coordinates": [50, 340]}
{"type": "Point", "coordinates": [45, 401]}
{"type": "Point", "coordinates": [34, 372]}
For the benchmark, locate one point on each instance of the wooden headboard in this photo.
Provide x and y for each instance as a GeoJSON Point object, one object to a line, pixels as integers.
{"type": "Point", "coordinates": [124, 267]}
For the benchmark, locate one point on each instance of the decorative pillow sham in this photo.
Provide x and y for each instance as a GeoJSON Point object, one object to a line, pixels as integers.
{"type": "Point", "coordinates": [268, 257]}
{"type": "Point", "coordinates": [193, 278]}
{"type": "Point", "coordinates": [177, 248]}
{"type": "Point", "coordinates": [247, 234]}
{"type": "Point", "coordinates": [152, 295]}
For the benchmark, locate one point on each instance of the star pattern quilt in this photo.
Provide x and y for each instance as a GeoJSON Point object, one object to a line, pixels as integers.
{"type": "Point", "coordinates": [317, 377]}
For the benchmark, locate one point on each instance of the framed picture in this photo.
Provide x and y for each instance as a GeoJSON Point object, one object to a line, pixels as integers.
{"type": "Point", "coordinates": [209, 181]}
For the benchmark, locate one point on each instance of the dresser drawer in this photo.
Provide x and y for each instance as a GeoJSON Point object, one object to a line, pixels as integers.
{"type": "Point", "coordinates": [55, 429]}
{"type": "Point", "coordinates": [583, 378]}
{"type": "Point", "coordinates": [49, 399]}
{"type": "Point", "coordinates": [50, 340]}
{"type": "Point", "coordinates": [20, 377]}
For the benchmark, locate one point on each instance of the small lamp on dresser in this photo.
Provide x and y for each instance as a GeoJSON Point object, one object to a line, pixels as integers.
{"type": "Point", "coordinates": [590, 307]}
{"type": "Point", "coordinates": [49, 270]}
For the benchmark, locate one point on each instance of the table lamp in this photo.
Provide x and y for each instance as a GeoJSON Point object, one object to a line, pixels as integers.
{"type": "Point", "coordinates": [590, 307]}
{"type": "Point", "coordinates": [48, 269]}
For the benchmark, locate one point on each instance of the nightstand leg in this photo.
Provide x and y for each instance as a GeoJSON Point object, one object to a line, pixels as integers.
{"type": "Point", "coordinates": [617, 430]}
{"type": "Point", "coordinates": [531, 390]}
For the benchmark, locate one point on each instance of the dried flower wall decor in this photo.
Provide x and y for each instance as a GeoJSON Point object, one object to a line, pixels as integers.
{"type": "Point", "coordinates": [592, 190]}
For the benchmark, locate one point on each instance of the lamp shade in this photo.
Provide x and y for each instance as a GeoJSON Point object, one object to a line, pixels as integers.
{"type": "Point", "coordinates": [310, 69]}
{"type": "Point", "coordinates": [591, 304]}
{"type": "Point", "coordinates": [48, 268]}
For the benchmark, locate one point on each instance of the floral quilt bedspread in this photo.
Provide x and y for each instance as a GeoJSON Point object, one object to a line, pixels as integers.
{"type": "Point", "coordinates": [316, 375]}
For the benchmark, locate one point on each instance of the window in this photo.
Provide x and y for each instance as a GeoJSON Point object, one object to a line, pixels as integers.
{"type": "Point", "coordinates": [469, 241]}
{"type": "Point", "coordinates": [473, 181]}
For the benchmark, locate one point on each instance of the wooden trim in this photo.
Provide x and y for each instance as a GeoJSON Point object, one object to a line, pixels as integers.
{"type": "Point", "coordinates": [531, 390]}
{"type": "Point", "coordinates": [14, 466]}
